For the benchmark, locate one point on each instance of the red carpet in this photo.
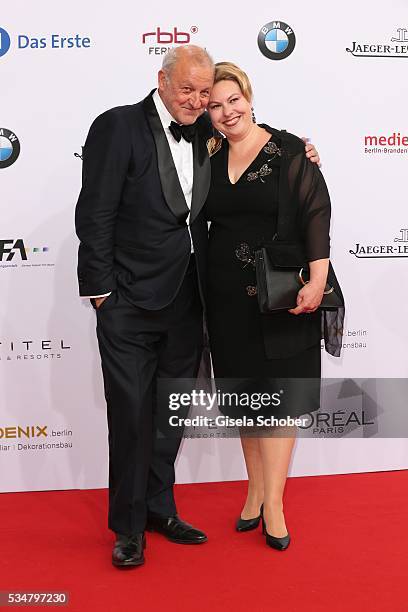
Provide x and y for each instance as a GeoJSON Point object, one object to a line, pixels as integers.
{"type": "Point", "coordinates": [348, 551]}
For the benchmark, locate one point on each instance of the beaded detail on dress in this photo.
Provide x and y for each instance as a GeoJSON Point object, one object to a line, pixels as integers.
{"type": "Point", "coordinates": [263, 171]}
{"type": "Point", "coordinates": [243, 253]}
{"type": "Point", "coordinates": [271, 148]}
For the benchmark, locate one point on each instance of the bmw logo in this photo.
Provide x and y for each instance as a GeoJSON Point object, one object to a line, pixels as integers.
{"type": "Point", "coordinates": [4, 42]}
{"type": "Point", "coordinates": [9, 148]}
{"type": "Point", "coordinates": [276, 40]}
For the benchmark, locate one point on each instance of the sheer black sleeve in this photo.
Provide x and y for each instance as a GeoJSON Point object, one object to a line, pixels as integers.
{"type": "Point", "coordinates": [309, 194]}
{"type": "Point", "coordinates": [308, 189]}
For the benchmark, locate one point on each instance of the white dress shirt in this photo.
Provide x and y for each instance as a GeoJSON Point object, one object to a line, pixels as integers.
{"type": "Point", "coordinates": [182, 153]}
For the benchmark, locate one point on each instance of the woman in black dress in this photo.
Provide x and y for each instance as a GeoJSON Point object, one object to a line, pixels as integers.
{"type": "Point", "coordinates": [253, 169]}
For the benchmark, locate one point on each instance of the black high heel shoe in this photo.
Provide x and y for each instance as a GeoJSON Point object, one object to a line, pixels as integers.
{"type": "Point", "coordinates": [277, 543]}
{"type": "Point", "coordinates": [249, 524]}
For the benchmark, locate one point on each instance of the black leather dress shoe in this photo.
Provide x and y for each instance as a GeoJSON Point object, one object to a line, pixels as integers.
{"type": "Point", "coordinates": [176, 530]}
{"type": "Point", "coordinates": [128, 550]}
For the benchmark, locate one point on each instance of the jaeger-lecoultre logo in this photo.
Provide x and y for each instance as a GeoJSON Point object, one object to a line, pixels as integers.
{"type": "Point", "coordinates": [375, 251]}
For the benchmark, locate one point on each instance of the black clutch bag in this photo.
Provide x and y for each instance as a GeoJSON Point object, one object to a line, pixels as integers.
{"type": "Point", "coordinates": [281, 271]}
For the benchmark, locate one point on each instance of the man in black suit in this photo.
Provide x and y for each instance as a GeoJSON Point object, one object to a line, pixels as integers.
{"type": "Point", "coordinates": [143, 240]}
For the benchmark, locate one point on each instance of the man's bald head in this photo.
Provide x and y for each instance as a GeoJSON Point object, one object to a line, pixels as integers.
{"type": "Point", "coordinates": [185, 82]}
{"type": "Point", "coordinates": [187, 53]}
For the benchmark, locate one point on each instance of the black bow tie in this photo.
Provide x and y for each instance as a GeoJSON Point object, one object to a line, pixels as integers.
{"type": "Point", "coordinates": [185, 131]}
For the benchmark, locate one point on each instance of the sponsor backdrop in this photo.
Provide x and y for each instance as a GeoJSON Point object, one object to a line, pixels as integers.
{"type": "Point", "coordinates": [333, 73]}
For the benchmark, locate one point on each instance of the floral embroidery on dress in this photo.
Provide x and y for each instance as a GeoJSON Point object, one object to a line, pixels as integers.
{"type": "Point", "coordinates": [214, 144]}
{"type": "Point", "coordinates": [263, 171]}
{"type": "Point", "coordinates": [244, 254]}
{"type": "Point", "coordinates": [271, 148]}
{"type": "Point", "coordinates": [251, 290]}
{"type": "Point", "coordinates": [252, 176]}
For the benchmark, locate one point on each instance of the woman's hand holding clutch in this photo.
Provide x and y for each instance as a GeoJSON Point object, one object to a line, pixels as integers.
{"type": "Point", "coordinates": [308, 298]}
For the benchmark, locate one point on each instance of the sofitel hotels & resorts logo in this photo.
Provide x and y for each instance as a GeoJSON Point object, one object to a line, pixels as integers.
{"type": "Point", "coordinates": [397, 47]}
{"type": "Point", "coordinates": [397, 249]}
{"type": "Point", "coordinates": [32, 349]}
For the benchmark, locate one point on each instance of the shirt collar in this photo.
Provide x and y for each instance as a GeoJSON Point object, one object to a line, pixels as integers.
{"type": "Point", "coordinates": [162, 111]}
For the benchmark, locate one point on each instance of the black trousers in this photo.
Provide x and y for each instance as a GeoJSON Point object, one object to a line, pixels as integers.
{"type": "Point", "coordinates": [137, 347]}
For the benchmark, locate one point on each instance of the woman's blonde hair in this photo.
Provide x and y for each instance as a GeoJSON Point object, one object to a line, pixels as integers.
{"type": "Point", "coordinates": [227, 71]}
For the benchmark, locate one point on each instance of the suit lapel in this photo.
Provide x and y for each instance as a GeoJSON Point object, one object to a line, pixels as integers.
{"type": "Point", "coordinates": [169, 179]}
{"type": "Point", "coordinates": [202, 174]}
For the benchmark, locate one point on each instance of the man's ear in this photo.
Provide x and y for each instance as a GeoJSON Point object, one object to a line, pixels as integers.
{"type": "Point", "coordinates": [162, 79]}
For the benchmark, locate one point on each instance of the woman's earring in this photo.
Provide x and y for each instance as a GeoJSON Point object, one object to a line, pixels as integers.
{"type": "Point", "coordinates": [253, 114]}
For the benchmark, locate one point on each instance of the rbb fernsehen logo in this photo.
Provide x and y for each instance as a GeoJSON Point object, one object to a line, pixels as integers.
{"type": "Point", "coordinates": [276, 40]}
{"type": "Point", "coordinates": [4, 42]}
{"type": "Point", "coordinates": [9, 148]}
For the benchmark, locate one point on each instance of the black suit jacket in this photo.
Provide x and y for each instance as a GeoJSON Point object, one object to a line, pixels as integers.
{"type": "Point", "coordinates": [131, 213]}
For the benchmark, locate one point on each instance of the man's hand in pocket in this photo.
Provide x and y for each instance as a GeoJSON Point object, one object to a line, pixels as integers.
{"type": "Point", "coordinates": [99, 301]}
